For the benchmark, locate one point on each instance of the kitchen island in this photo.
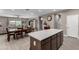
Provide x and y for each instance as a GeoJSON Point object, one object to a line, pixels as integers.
{"type": "Point", "coordinates": [50, 39]}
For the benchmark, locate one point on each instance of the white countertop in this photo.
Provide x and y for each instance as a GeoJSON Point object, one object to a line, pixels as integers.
{"type": "Point", "coordinates": [40, 35]}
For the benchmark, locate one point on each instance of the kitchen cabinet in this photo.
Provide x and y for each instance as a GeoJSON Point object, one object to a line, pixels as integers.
{"type": "Point", "coordinates": [50, 39]}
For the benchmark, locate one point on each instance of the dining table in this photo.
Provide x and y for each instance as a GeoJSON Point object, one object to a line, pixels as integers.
{"type": "Point", "coordinates": [14, 30]}
{"type": "Point", "coordinates": [19, 31]}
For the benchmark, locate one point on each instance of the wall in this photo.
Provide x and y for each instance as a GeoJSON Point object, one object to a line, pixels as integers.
{"type": "Point", "coordinates": [37, 23]}
{"type": "Point", "coordinates": [3, 22]}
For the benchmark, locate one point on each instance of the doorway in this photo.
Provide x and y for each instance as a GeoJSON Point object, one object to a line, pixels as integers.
{"type": "Point", "coordinates": [72, 25]}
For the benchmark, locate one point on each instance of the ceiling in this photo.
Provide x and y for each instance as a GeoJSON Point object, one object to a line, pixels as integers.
{"type": "Point", "coordinates": [27, 13]}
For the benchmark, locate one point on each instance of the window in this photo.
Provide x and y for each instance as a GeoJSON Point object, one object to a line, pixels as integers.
{"type": "Point", "coordinates": [15, 23]}
{"type": "Point", "coordinates": [18, 23]}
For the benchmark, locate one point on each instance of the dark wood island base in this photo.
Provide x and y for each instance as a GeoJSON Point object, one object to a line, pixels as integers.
{"type": "Point", "coordinates": [51, 43]}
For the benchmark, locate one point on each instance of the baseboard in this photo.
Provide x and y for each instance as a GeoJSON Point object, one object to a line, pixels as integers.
{"type": "Point", "coordinates": [72, 36]}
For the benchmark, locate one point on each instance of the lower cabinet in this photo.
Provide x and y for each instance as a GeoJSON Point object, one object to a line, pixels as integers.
{"type": "Point", "coordinates": [46, 46]}
{"type": "Point", "coordinates": [35, 44]}
{"type": "Point", "coordinates": [58, 38]}
{"type": "Point", "coordinates": [61, 41]}
{"type": "Point", "coordinates": [52, 43]}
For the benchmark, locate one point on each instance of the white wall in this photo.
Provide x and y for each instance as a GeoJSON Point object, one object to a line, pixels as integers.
{"type": "Point", "coordinates": [3, 21]}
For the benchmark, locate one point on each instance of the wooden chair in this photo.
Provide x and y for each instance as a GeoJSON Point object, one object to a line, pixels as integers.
{"type": "Point", "coordinates": [19, 32]}
{"type": "Point", "coordinates": [28, 30]}
{"type": "Point", "coordinates": [10, 34]}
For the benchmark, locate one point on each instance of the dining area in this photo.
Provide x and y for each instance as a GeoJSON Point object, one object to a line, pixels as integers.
{"type": "Point", "coordinates": [18, 32]}
{"type": "Point", "coordinates": [14, 34]}
{"type": "Point", "coordinates": [17, 28]}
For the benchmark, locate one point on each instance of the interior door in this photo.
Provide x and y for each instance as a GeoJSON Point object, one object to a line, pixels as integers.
{"type": "Point", "coordinates": [72, 25]}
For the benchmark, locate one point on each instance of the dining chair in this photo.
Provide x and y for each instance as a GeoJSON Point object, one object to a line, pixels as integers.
{"type": "Point", "coordinates": [10, 34]}
{"type": "Point", "coordinates": [28, 30]}
{"type": "Point", "coordinates": [19, 32]}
